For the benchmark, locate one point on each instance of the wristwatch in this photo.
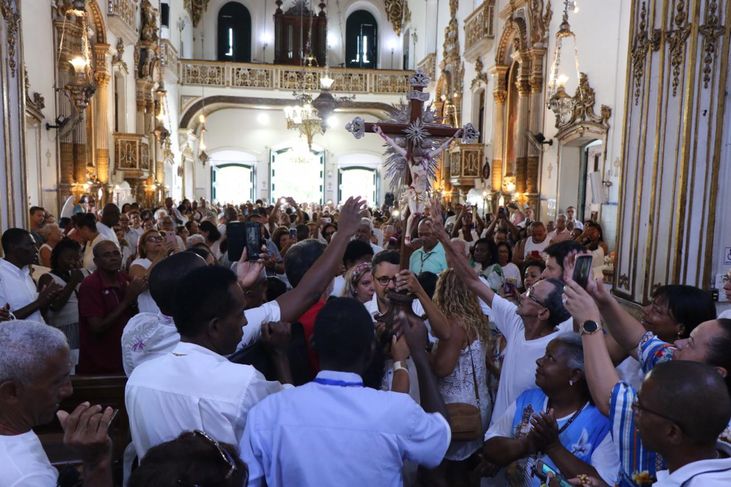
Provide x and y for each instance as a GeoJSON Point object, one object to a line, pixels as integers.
{"type": "Point", "coordinates": [400, 365]}
{"type": "Point", "coordinates": [589, 327]}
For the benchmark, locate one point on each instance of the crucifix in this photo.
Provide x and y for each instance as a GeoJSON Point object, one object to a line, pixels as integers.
{"type": "Point", "coordinates": [413, 152]}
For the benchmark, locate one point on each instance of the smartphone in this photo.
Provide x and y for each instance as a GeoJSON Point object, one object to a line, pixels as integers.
{"type": "Point", "coordinates": [170, 239]}
{"type": "Point", "coordinates": [582, 270]}
{"type": "Point", "coordinates": [253, 240]}
{"type": "Point", "coordinates": [541, 470]}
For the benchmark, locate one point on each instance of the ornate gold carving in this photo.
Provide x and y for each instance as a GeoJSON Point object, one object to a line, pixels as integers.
{"type": "Point", "coordinates": [125, 10]}
{"type": "Point", "coordinates": [449, 90]}
{"type": "Point", "coordinates": [540, 21]}
{"type": "Point", "coordinates": [132, 155]}
{"type": "Point", "coordinates": [712, 30]}
{"type": "Point", "coordinates": [642, 44]}
{"type": "Point", "coordinates": [677, 39]}
{"type": "Point", "coordinates": [479, 25]}
{"type": "Point", "coordinates": [9, 10]}
{"type": "Point", "coordinates": [480, 76]}
{"type": "Point", "coordinates": [579, 108]}
{"type": "Point", "coordinates": [623, 281]}
{"type": "Point", "coordinates": [428, 65]}
{"type": "Point", "coordinates": [515, 37]}
{"type": "Point", "coordinates": [396, 12]}
{"type": "Point", "coordinates": [196, 9]}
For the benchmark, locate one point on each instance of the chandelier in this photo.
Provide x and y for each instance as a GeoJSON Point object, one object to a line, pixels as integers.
{"type": "Point", "coordinates": [82, 87]}
{"type": "Point", "coordinates": [304, 118]}
{"type": "Point", "coordinates": [560, 102]}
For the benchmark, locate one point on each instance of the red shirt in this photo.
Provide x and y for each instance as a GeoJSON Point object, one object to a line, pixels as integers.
{"type": "Point", "coordinates": [307, 320]}
{"type": "Point", "coordinates": [101, 353]}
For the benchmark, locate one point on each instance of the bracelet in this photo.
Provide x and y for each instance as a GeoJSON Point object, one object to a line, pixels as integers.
{"type": "Point", "coordinates": [399, 365]}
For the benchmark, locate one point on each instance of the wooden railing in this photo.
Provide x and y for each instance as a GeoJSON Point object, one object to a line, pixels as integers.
{"type": "Point", "coordinates": [281, 77]}
{"type": "Point", "coordinates": [479, 28]}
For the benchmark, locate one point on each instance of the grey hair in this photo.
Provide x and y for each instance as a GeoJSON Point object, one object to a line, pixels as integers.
{"type": "Point", "coordinates": [366, 221]}
{"type": "Point", "coordinates": [46, 229]}
{"type": "Point", "coordinates": [574, 349]}
{"type": "Point", "coordinates": [26, 346]}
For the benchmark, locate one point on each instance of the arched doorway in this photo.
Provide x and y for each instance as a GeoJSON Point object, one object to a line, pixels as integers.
{"type": "Point", "coordinates": [298, 172]}
{"type": "Point", "coordinates": [232, 176]}
{"type": "Point", "coordinates": [361, 40]}
{"type": "Point", "coordinates": [358, 181]}
{"type": "Point", "coordinates": [234, 33]}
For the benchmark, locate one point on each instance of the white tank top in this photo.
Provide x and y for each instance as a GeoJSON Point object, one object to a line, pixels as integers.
{"type": "Point", "coordinates": [531, 246]}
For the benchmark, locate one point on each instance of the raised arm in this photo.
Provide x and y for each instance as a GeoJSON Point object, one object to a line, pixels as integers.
{"type": "Point", "coordinates": [444, 145]}
{"type": "Point", "coordinates": [294, 303]}
{"type": "Point", "coordinates": [440, 327]}
{"type": "Point", "coordinates": [600, 373]}
{"type": "Point", "coordinates": [389, 141]}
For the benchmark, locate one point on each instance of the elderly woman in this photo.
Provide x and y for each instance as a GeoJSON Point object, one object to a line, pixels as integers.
{"type": "Point", "coordinates": [359, 283]}
{"type": "Point", "coordinates": [51, 234]}
{"type": "Point", "coordinates": [556, 423]}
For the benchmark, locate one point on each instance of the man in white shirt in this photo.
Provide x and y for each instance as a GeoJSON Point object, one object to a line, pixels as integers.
{"type": "Point", "coordinates": [17, 288]}
{"type": "Point", "coordinates": [195, 386]}
{"type": "Point", "coordinates": [682, 408]}
{"type": "Point", "coordinates": [333, 431]}
{"type": "Point", "coordinates": [561, 233]}
{"type": "Point", "coordinates": [571, 218]}
{"type": "Point", "coordinates": [150, 335]}
{"type": "Point", "coordinates": [110, 218]}
{"type": "Point", "coordinates": [528, 328]}
{"type": "Point", "coordinates": [34, 379]}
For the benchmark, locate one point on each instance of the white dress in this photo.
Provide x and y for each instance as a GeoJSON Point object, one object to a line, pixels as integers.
{"type": "Point", "coordinates": [459, 387]}
{"type": "Point", "coordinates": [145, 303]}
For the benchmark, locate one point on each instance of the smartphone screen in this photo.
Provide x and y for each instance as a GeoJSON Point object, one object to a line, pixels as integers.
{"type": "Point", "coordinates": [582, 270]}
{"type": "Point", "coordinates": [170, 239]}
{"type": "Point", "coordinates": [541, 470]}
{"type": "Point", "coordinates": [253, 240]}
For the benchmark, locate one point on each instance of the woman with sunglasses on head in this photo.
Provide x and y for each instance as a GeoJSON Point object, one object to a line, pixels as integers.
{"type": "Point", "coordinates": [359, 283]}
{"type": "Point", "coordinates": [192, 459]}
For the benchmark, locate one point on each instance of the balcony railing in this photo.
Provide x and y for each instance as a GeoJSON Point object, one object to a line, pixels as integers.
{"type": "Point", "coordinates": [429, 65]}
{"type": "Point", "coordinates": [168, 54]}
{"type": "Point", "coordinates": [280, 77]}
{"type": "Point", "coordinates": [478, 29]}
{"type": "Point", "coordinates": [122, 18]}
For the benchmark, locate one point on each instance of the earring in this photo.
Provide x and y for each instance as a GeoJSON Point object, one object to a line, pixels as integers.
{"type": "Point", "coordinates": [571, 382]}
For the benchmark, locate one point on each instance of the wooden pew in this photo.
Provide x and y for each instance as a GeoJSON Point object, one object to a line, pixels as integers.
{"type": "Point", "coordinates": [104, 390]}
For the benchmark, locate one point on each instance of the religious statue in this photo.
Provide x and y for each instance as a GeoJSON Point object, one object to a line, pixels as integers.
{"type": "Point", "coordinates": [148, 31]}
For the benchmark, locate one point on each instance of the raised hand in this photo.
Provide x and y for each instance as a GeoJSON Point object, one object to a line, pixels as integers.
{"type": "Point", "coordinates": [435, 212]}
{"type": "Point", "coordinates": [86, 431]}
{"type": "Point", "coordinates": [407, 281]}
{"type": "Point", "coordinates": [399, 348]}
{"type": "Point", "coordinates": [48, 293]}
{"type": "Point", "coordinates": [248, 272]}
{"type": "Point", "coordinates": [276, 335]}
{"type": "Point", "coordinates": [579, 303]}
{"type": "Point", "coordinates": [414, 330]}
{"type": "Point", "coordinates": [545, 431]}
{"type": "Point", "coordinates": [136, 286]}
{"type": "Point", "coordinates": [349, 218]}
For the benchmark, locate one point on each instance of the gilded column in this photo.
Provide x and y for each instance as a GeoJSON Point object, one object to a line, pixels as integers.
{"type": "Point", "coordinates": [519, 139]}
{"type": "Point", "coordinates": [499, 94]}
{"type": "Point", "coordinates": [101, 125]}
{"type": "Point", "coordinates": [534, 124]}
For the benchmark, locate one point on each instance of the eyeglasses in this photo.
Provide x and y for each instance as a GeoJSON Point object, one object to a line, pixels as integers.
{"type": "Point", "coordinates": [529, 294]}
{"type": "Point", "coordinates": [384, 280]}
{"type": "Point", "coordinates": [636, 406]}
{"type": "Point", "coordinates": [225, 455]}
{"type": "Point", "coordinates": [154, 238]}
{"type": "Point", "coordinates": [726, 278]}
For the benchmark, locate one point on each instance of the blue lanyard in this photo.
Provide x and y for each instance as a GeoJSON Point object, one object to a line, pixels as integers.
{"type": "Point", "coordinates": [341, 383]}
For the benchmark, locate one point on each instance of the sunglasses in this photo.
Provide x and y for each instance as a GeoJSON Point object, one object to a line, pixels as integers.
{"type": "Point", "coordinates": [224, 454]}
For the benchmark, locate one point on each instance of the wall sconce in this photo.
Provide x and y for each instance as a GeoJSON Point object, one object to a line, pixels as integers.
{"type": "Point", "coordinates": [509, 185]}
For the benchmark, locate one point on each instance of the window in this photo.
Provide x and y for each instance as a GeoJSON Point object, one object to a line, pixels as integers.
{"type": "Point", "coordinates": [361, 40]}
{"type": "Point", "coordinates": [165, 15]}
{"type": "Point", "coordinates": [232, 183]}
{"type": "Point", "coordinates": [234, 33]}
{"type": "Point", "coordinates": [358, 181]}
{"type": "Point", "coordinates": [299, 173]}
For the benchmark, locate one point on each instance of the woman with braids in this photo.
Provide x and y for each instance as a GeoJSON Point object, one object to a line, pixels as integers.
{"type": "Point", "coordinates": [359, 283]}
{"type": "Point", "coordinates": [459, 360]}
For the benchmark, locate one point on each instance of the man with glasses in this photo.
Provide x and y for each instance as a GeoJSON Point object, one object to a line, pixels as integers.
{"type": "Point", "coordinates": [528, 328]}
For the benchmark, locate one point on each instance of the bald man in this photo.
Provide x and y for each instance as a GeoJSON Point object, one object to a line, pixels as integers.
{"type": "Point", "coordinates": [107, 300]}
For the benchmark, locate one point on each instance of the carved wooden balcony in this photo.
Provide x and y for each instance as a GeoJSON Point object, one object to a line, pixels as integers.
{"type": "Point", "coordinates": [465, 164]}
{"type": "Point", "coordinates": [429, 65]}
{"type": "Point", "coordinates": [168, 55]}
{"type": "Point", "coordinates": [479, 30]}
{"type": "Point", "coordinates": [289, 78]}
{"type": "Point", "coordinates": [132, 155]}
{"type": "Point", "coordinates": [122, 15]}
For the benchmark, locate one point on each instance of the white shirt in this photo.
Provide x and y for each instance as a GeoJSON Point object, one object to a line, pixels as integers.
{"type": "Point", "coordinates": [726, 314]}
{"type": "Point", "coordinates": [268, 312]}
{"type": "Point", "coordinates": [18, 289]}
{"type": "Point", "coordinates": [376, 248]}
{"type": "Point", "coordinates": [109, 233]}
{"type": "Point", "coordinates": [577, 224]}
{"type": "Point", "coordinates": [605, 458]}
{"type": "Point", "coordinates": [147, 336]}
{"type": "Point", "coordinates": [145, 303]}
{"type": "Point", "coordinates": [519, 366]}
{"type": "Point", "coordinates": [339, 287]}
{"type": "Point", "coordinates": [24, 463]}
{"type": "Point", "coordinates": [511, 271]}
{"type": "Point", "coordinates": [89, 252]}
{"type": "Point", "coordinates": [703, 473]}
{"type": "Point", "coordinates": [339, 435]}
{"type": "Point", "coordinates": [191, 388]}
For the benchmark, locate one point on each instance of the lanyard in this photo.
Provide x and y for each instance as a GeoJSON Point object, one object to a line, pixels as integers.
{"type": "Point", "coordinates": [340, 383]}
{"type": "Point", "coordinates": [572, 418]}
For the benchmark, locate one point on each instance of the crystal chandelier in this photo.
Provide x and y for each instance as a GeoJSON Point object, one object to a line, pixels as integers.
{"type": "Point", "coordinates": [304, 118]}
{"type": "Point", "coordinates": [558, 100]}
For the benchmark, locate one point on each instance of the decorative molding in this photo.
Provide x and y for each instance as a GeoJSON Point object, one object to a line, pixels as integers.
{"type": "Point", "coordinates": [579, 109]}
{"type": "Point", "coordinates": [676, 40]}
{"type": "Point", "coordinates": [642, 44]}
{"type": "Point", "coordinates": [480, 79]}
{"type": "Point", "coordinates": [479, 29]}
{"type": "Point", "coordinates": [428, 65]}
{"type": "Point", "coordinates": [9, 11]}
{"type": "Point", "coordinates": [396, 12]}
{"type": "Point", "coordinates": [540, 22]}
{"type": "Point", "coordinates": [623, 281]}
{"type": "Point", "coordinates": [712, 30]}
{"type": "Point", "coordinates": [196, 9]}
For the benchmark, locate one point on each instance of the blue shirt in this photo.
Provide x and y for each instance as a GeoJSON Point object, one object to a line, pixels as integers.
{"type": "Point", "coordinates": [433, 261]}
{"type": "Point", "coordinates": [335, 432]}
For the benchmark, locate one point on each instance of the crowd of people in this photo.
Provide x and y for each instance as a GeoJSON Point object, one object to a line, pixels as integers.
{"type": "Point", "coordinates": [342, 355]}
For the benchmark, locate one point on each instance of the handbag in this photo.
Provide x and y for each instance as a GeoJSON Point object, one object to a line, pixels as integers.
{"type": "Point", "coordinates": [465, 419]}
